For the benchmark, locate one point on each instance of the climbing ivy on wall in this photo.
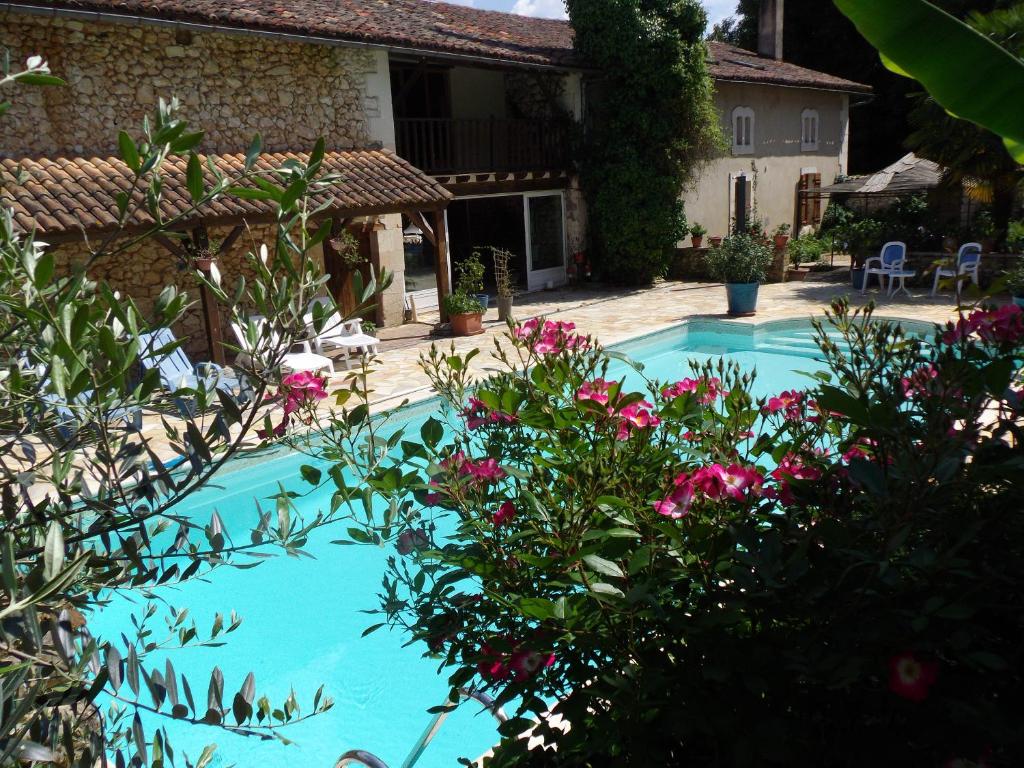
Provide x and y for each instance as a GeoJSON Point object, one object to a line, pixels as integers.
{"type": "Point", "coordinates": [651, 121]}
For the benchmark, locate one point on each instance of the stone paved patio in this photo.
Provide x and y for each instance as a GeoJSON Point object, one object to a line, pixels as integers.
{"type": "Point", "coordinates": [614, 315]}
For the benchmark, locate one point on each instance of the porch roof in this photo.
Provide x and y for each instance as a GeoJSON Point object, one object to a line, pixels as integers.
{"type": "Point", "coordinates": [63, 197]}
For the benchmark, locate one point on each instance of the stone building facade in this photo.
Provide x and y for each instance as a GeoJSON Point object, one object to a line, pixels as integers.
{"type": "Point", "coordinates": [229, 86]}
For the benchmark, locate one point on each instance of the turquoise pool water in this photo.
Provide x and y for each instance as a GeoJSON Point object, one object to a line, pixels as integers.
{"type": "Point", "coordinates": [302, 620]}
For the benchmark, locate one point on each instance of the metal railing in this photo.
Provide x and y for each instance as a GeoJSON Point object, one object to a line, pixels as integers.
{"type": "Point", "coordinates": [471, 145]}
{"type": "Point", "coordinates": [368, 759]}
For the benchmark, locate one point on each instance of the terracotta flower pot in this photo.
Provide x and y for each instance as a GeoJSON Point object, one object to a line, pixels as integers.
{"type": "Point", "coordinates": [798, 274]}
{"type": "Point", "coordinates": [697, 240]}
{"type": "Point", "coordinates": [716, 241]}
{"type": "Point", "coordinates": [468, 324]}
{"type": "Point", "coordinates": [781, 241]}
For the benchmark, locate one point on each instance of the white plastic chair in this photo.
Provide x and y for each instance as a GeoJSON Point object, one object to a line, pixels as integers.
{"type": "Point", "coordinates": [341, 334]}
{"type": "Point", "coordinates": [968, 261]}
{"type": "Point", "coordinates": [890, 264]}
{"type": "Point", "coordinates": [306, 360]}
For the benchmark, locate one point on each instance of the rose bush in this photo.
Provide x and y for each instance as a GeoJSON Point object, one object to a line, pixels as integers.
{"type": "Point", "coordinates": [688, 575]}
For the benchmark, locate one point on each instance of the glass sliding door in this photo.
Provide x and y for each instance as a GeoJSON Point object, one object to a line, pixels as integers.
{"type": "Point", "coordinates": [545, 239]}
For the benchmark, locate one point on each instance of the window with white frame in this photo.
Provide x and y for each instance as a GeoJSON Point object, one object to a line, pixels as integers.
{"type": "Point", "coordinates": [743, 131]}
{"type": "Point", "coordinates": [809, 130]}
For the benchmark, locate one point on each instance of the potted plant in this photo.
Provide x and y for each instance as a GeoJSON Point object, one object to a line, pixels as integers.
{"type": "Point", "coordinates": [1015, 284]}
{"type": "Point", "coordinates": [463, 305]}
{"type": "Point", "coordinates": [862, 239]}
{"type": "Point", "coordinates": [503, 280]}
{"type": "Point", "coordinates": [781, 236]}
{"type": "Point", "coordinates": [716, 241]}
{"type": "Point", "coordinates": [803, 250]}
{"type": "Point", "coordinates": [465, 313]}
{"type": "Point", "coordinates": [471, 278]}
{"type": "Point", "coordinates": [697, 232]}
{"type": "Point", "coordinates": [741, 262]}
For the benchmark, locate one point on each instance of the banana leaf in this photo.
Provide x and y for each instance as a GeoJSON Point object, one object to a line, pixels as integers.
{"type": "Point", "coordinates": [968, 74]}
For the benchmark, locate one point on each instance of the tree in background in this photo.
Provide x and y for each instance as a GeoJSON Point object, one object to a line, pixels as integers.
{"type": "Point", "coordinates": [969, 152]}
{"type": "Point", "coordinates": [818, 36]}
{"type": "Point", "coordinates": [651, 123]}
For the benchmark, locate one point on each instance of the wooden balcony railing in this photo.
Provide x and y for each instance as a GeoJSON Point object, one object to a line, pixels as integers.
{"type": "Point", "coordinates": [442, 145]}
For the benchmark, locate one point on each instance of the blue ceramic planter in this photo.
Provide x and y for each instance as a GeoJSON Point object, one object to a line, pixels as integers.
{"type": "Point", "coordinates": [483, 298]}
{"type": "Point", "coordinates": [1019, 301]}
{"type": "Point", "coordinates": [742, 298]}
{"type": "Point", "coordinates": [857, 277]}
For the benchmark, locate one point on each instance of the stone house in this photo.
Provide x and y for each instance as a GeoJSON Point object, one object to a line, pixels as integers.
{"type": "Point", "coordinates": [474, 105]}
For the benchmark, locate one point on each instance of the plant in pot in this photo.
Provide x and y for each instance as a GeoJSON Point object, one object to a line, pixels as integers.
{"type": "Point", "coordinates": [862, 239]}
{"type": "Point", "coordinates": [463, 305]}
{"type": "Point", "coordinates": [741, 262]}
{"type": "Point", "coordinates": [716, 241]}
{"type": "Point", "coordinates": [803, 251]}
{"type": "Point", "coordinates": [471, 278]}
{"type": "Point", "coordinates": [781, 236]}
{"type": "Point", "coordinates": [503, 279]}
{"type": "Point", "coordinates": [1015, 285]}
{"type": "Point", "coordinates": [697, 232]}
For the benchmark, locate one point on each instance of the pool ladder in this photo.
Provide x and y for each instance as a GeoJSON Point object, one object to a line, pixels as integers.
{"type": "Point", "coordinates": [370, 760]}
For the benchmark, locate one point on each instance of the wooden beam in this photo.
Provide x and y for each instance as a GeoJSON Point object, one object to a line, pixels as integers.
{"type": "Point", "coordinates": [211, 313]}
{"type": "Point", "coordinates": [229, 241]}
{"type": "Point", "coordinates": [441, 262]}
{"type": "Point", "coordinates": [420, 221]}
{"type": "Point", "coordinates": [174, 248]}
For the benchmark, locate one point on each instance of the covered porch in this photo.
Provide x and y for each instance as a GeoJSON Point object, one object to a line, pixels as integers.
{"type": "Point", "coordinates": [72, 202]}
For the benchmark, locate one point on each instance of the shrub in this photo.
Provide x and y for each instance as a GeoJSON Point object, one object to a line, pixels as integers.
{"type": "Point", "coordinates": [1015, 237]}
{"type": "Point", "coordinates": [92, 503]}
{"type": "Point", "coordinates": [740, 258]}
{"type": "Point", "coordinates": [806, 249]}
{"type": "Point", "coordinates": [690, 576]}
{"type": "Point", "coordinates": [460, 303]}
{"type": "Point", "coordinates": [1015, 281]}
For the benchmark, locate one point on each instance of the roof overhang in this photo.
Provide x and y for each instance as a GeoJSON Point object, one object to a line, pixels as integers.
{"type": "Point", "coordinates": [65, 199]}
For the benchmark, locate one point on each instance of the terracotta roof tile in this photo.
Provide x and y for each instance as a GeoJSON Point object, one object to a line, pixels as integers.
{"type": "Point", "coordinates": [68, 195]}
{"type": "Point", "coordinates": [445, 28]}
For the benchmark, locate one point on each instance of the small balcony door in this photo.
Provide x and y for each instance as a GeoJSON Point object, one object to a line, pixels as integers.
{"type": "Point", "coordinates": [545, 239]}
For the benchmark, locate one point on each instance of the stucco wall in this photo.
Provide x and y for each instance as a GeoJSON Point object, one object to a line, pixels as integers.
{"type": "Point", "coordinates": [778, 161]}
{"type": "Point", "coordinates": [231, 86]}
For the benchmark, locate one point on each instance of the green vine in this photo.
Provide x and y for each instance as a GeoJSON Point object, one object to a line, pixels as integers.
{"type": "Point", "coordinates": [652, 122]}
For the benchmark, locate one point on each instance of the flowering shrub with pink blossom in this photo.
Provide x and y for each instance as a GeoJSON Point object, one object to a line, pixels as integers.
{"type": "Point", "coordinates": [692, 576]}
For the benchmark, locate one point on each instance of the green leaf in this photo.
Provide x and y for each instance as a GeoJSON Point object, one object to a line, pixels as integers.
{"type": "Point", "coordinates": [606, 589]}
{"type": "Point", "coordinates": [964, 71]}
{"type": "Point", "coordinates": [31, 78]}
{"type": "Point", "coordinates": [247, 193]}
{"type": "Point", "coordinates": [253, 153]}
{"type": "Point", "coordinates": [53, 554]}
{"type": "Point", "coordinates": [600, 565]}
{"type": "Point", "coordinates": [310, 474]}
{"type": "Point", "coordinates": [194, 177]}
{"type": "Point", "coordinates": [129, 152]}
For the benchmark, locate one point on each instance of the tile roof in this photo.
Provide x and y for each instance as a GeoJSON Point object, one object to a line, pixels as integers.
{"type": "Point", "coordinates": [727, 62]}
{"type": "Point", "coordinates": [445, 28]}
{"type": "Point", "coordinates": [63, 196]}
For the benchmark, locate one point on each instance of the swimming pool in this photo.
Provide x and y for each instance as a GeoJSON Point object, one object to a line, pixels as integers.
{"type": "Point", "coordinates": [302, 621]}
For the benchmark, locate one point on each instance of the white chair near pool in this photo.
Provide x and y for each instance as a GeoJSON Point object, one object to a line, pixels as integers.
{"type": "Point", "coordinates": [968, 262]}
{"type": "Point", "coordinates": [306, 360]}
{"type": "Point", "coordinates": [345, 335]}
{"type": "Point", "coordinates": [890, 265]}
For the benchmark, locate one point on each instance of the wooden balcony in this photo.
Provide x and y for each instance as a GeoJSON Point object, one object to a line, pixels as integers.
{"type": "Point", "coordinates": [443, 146]}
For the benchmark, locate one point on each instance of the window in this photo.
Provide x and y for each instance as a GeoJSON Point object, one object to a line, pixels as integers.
{"type": "Point", "coordinates": [809, 197]}
{"type": "Point", "coordinates": [809, 130]}
{"type": "Point", "coordinates": [743, 131]}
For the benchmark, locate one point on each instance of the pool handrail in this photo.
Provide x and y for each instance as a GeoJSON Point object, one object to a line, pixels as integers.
{"type": "Point", "coordinates": [361, 757]}
{"type": "Point", "coordinates": [438, 720]}
{"type": "Point", "coordinates": [370, 760]}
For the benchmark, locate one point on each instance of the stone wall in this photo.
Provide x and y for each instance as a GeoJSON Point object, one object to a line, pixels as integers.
{"type": "Point", "coordinates": [144, 270]}
{"type": "Point", "coordinates": [231, 86]}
